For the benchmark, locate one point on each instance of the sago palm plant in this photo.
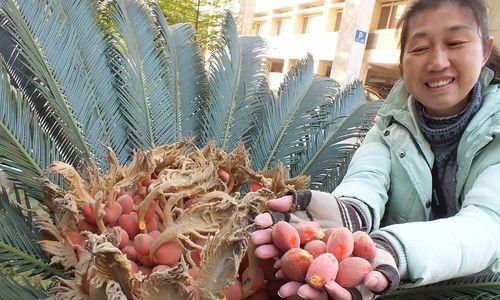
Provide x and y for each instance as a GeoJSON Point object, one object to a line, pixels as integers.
{"type": "Point", "coordinates": [92, 115]}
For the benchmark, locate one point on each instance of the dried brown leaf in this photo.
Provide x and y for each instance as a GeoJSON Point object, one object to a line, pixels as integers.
{"type": "Point", "coordinates": [225, 250]}
{"type": "Point", "coordinates": [172, 284]}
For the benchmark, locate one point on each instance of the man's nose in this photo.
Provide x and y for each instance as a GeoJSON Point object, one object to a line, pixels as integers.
{"type": "Point", "coordinates": [438, 60]}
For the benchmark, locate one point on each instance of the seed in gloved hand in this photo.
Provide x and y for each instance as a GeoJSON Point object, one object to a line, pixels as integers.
{"type": "Point", "coordinates": [352, 271]}
{"type": "Point", "coordinates": [295, 263]}
{"type": "Point", "coordinates": [308, 231]}
{"type": "Point", "coordinates": [322, 269]}
{"type": "Point", "coordinates": [340, 243]}
{"type": "Point", "coordinates": [364, 246]}
{"type": "Point", "coordinates": [316, 248]}
{"type": "Point", "coordinates": [285, 236]}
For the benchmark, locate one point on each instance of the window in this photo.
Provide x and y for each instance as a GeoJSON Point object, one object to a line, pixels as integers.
{"type": "Point", "coordinates": [277, 65]}
{"type": "Point", "coordinates": [390, 14]}
{"type": "Point", "coordinates": [328, 71]}
{"type": "Point", "coordinates": [325, 67]}
{"type": "Point", "coordinates": [311, 23]}
{"type": "Point", "coordinates": [279, 27]}
{"type": "Point", "coordinates": [258, 28]}
{"type": "Point", "coordinates": [338, 19]}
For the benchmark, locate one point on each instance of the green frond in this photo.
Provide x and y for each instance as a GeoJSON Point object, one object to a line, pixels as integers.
{"type": "Point", "coordinates": [187, 77]}
{"type": "Point", "coordinates": [11, 289]}
{"type": "Point", "coordinates": [141, 68]}
{"type": "Point", "coordinates": [47, 48]}
{"type": "Point", "coordinates": [18, 248]}
{"type": "Point", "coordinates": [479, 287]}
{"type": "Point", "coordinates": [236, 78]}
{"type": "Point", "coordinates": [87, 79]}
{"type": "Point", "coordinates": [331, 148]}
{"type": "Point", "coordinates": [25, 149]}
{"type": "Point", "coordinates": [288, 120]}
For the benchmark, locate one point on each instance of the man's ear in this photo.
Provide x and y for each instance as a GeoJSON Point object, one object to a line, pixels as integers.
{"type": "Point", "coordinates": [488, 49]}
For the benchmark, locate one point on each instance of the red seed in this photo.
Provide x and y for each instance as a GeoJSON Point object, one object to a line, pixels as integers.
{"type": "Point", "coordinates": [255, 186]}
{"type": "Point", "coordinates": [146, 261]}
{"type": "Point", "coordinates": [340, 243]}
{"type": "Point", "coordinates": [130, 252]}
{"type": "Point", "coordinates": [285, 236]}
{"type": "Point", "coordinates": [142, 243]}
{"type": "Point", "coordinates": [352, 271]}
{"type": "Point", "coordinates": [145, 271]}
{"type": "Point", "coordinates": [316, 248]}
{"type": "Point", "coordinates": [223, 175]}
{"type": "Point", "coordinates": [295, 262]}
{"type": "Point", "coordinates": [323, 269]}
{"type": "Point", "coordinates": [155, 234]}
{"type": "Point", "coordinates": [234, 291]}
{"type": "Point", "coordinates": [195, 255]}
{"type": "Point", "coordinates": [88, 213]}
{"type": "Point", "coordinates": [168, 254]}
{"type": "Point", "coordinates": [127, 202]}
{"type": "Point", "coordinates": [112, 212]}
{"type": "Point", "coordinates": [308, 231]}
{"type": "Point", "coordinates": [364, 246]}
{"type": "Point", "coordinates": [74, 237]}
{"type": "Point", "coordinates": [129, 224]}
{"type": "Point", "coordinates": [146, 181]}
{"type": "Point", "coordinates": [151, 225]}
{"type": "Point", "coordinates": [84, 225]}
{"type": "Point", "coordinates": [138, 199]}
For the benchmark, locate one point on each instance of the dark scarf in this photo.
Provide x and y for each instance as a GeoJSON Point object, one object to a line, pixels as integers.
{"type": "Point", "coordinates": [443, 134]}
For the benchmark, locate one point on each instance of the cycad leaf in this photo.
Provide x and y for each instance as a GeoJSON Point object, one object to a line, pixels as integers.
{"type": "Point", "coordinates": [11, 289]}
{"type": "Point", "coordinates": [482, 287]}
{"type": "Point", "coordinates": [330, 149]}
{"type": "Point", "coordinates": [289, 119]}
{"type": "Point", "coordinates": [89, 88]}
{"type": "Point", "coordinates": [141, 68]}
{"type": "Point", "coordinates": [236, 77]}
{"type": "Point", "coordinates": [48, 48]}
{"type": "Point", "coordinates": [18, 249]}
{"type": "Point", "coordinates": [25, 149]}
{"type": "Point", "coordinates": [187, 77]}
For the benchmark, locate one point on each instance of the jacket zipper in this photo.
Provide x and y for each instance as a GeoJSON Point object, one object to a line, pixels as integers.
{"type": "Point", "coordinates": [413, 139]}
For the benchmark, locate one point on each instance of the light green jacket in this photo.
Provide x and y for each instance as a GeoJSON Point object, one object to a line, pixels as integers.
{"type": "Point", "coordinates": [391, 174]}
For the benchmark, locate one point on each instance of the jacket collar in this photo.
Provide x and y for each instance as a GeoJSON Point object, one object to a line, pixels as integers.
{"type": "Point", "coordinates": [399, 106]}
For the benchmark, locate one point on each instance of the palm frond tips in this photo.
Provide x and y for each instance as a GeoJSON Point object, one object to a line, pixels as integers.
{"type": "Point", "coordinates": [141, 68]}
{"type": "Point", "coordinates": [331, 148]}
{"type": "Point", "coordinates": [12, 289]}
{"type": "Point", "coordinates": [25, 149]}
{"type": "Point", "coordinates": [478, 287]}
{"type": "Point", "coordinates": [187, 77]}
{"type": "Point", "coordinates": [90, 87]}
{"type": "Point", "coordinates": [289, 119]}
{"type": "Point", "coordinates": [18, 249]}
{"type": "Point", "coordinates": [48, 48]}
{"type": "Point", "coordinates": [236, 77]}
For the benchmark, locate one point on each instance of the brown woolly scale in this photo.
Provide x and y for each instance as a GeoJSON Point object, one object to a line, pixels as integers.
{"type": "Point", "coordinates": [172, 224]}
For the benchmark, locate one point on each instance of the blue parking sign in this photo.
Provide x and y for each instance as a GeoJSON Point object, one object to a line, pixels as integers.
{"type": "Point", "coordinates": [360, 36]}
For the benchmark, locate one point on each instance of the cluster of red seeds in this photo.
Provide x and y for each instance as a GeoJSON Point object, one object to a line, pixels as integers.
{"type": "Point", "coordinates": [135, 242]}
{"type": "Point", "coordinates": [308, 254]}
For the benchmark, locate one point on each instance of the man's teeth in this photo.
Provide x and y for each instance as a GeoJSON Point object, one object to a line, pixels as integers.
{"type": "Point", "coordinates": [439, 83]}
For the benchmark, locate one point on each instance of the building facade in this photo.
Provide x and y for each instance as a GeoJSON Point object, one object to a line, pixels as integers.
{"type": "Point", "coordinates": [348, 39]}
